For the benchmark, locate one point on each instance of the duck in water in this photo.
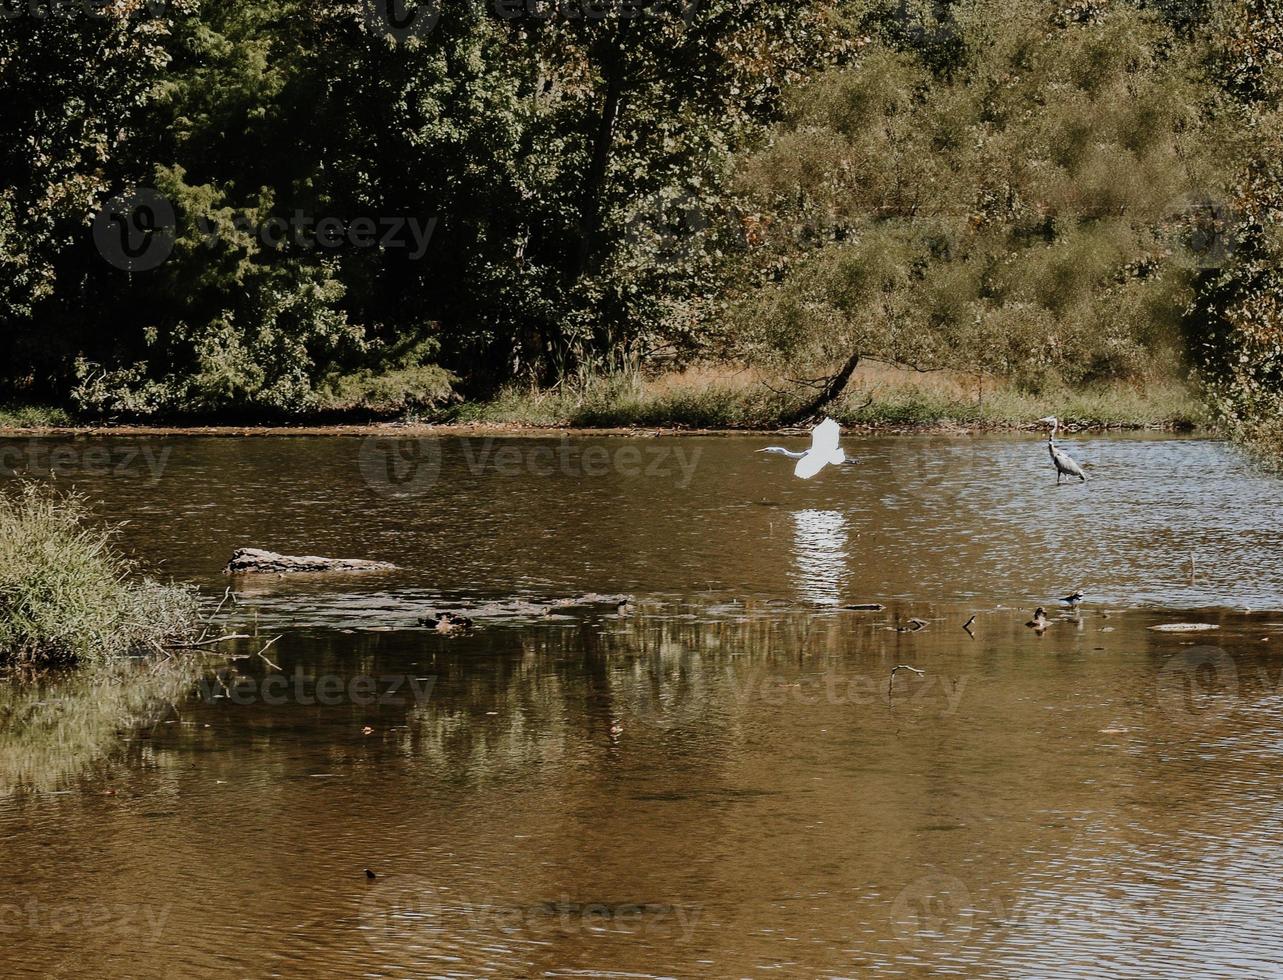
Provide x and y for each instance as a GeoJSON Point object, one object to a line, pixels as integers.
{"type": "Point", "coordinates": [1039, 623]}
{"type": "Point", "coordinates": [1074, 599]}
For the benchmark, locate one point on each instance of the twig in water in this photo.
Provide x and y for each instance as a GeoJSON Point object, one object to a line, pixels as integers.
{"type": "Point", "coordinates": [214, 615]}
{"type": "Point", "coordinates": [264, 651]}
{"type": "Point", "coordinates": [967, 627]}
{"type": "Point", "coordinates": [891, 679]}
{"type": "Point", "coordinates": [206, 643]}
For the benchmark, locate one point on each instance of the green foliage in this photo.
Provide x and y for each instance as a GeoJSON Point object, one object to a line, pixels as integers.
{"type": "Point", "coordinates": [1236, 323]}
{"type": "Point", "coordinates": [1020, 215]}
{"type": "Point", "coordinates": [560, 157]}
{"type": "Point", "coordinates": [1018, 190]}
{"type": "Point", "coordinates": [67, 597]}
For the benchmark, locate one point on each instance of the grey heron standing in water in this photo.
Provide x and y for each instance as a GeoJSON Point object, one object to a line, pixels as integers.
{"type": "Point", "coordinates": [823, 452]}
{"type": "Point", "coordinates": [1064, 463]}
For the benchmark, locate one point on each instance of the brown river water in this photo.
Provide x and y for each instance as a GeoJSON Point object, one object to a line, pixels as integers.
{"type": "Point", "coordinates": [722, 778]}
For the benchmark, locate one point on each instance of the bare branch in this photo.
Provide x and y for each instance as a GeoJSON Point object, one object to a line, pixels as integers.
{"type": "Point", "coordinates": [264, 651]}
{"type": "Point", "coordinates": [898, 667]}
{"type": "Point", "coordinates": [205, 643]}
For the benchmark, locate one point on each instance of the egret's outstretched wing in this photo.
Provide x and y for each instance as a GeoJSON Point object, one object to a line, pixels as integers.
{"type": "Point", "coordinates": [824, 438]}
{"type": "Point", "coordinates": [809, 465]}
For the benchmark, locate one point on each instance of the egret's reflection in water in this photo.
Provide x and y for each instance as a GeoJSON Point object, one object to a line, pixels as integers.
{"type": "Point", "coordinates": [819, 553]}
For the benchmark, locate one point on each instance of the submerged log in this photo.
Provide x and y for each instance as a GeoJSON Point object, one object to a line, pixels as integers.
{"type": "Point", "coordinates": [447, 623]}
{"type": "Point", "coordinates": [247, 561]}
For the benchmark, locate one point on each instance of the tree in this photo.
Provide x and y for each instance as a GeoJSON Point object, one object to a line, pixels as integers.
{"type": "Point", "coordinates": [1236, 323]}
{"type": "Point", "coordinates": [1022, 213]}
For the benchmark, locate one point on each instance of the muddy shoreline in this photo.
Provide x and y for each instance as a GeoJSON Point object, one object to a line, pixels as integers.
{"type": "Point", "coordinates": [414, 429]}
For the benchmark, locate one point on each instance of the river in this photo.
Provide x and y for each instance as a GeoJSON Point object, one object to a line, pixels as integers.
{"type": "Point", "coordinates": [721, 778]}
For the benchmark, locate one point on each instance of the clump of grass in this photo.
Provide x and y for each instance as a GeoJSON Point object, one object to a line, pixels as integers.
{"type": "Point", "coordinates": [33, 417]}
{"type": "Point", "coordinates": [68, 597]}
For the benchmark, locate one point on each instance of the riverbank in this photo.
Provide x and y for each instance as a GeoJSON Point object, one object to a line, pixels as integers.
{"type": "Point", "coordinates": [879, 398]}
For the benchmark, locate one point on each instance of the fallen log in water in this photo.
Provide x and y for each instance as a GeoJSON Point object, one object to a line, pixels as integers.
{"type": "Point", "coordinates": [255, 561]}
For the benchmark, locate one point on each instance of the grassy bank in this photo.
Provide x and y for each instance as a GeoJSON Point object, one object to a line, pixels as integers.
{"type": "Point", "coordinates": [33, 417]}
{"type": "Point", "coordinates": [878, 397]}
{"type": "Point", "coordinates": [67, 597]}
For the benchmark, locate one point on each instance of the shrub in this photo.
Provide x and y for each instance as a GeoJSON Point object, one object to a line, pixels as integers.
{"type": "Point", "coordinates": [68, 597]}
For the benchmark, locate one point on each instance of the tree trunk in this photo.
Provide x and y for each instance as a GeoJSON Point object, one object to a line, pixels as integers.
{"type": "Point", "coordinates": [595, 180]}
{"type": "Point", "coordinates": [832, 388]}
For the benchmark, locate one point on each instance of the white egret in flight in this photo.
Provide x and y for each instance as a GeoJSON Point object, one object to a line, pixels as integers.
{"type": "Point", "coordinates": [1064, 463]}
{"type": "Point", "coordinates": [823, 452]}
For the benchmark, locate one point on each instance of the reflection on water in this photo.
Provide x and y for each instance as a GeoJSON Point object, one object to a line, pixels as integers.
{"type": "Point", "coordinates": [57, 727]}
{"type": "Point", "coordinates": [819, 552]}
{"type": "Point", "coordinates": [965, 519]}
{"type": "Point", "coordinates": [721, 781]}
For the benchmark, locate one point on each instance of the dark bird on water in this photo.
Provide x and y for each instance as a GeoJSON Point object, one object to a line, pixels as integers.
{"type": "Point", "coordinates": [1039, 622]}
{"type": "Point", "coordinates": [1074, 599]}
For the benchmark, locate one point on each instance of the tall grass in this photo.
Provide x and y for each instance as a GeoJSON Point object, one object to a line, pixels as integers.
{"type": "Point", "coordinates": [878, 397]}
{"type": "Point", "coordinates": [68, 597]}
{"type": "Point", "coordinates": [33, 417]}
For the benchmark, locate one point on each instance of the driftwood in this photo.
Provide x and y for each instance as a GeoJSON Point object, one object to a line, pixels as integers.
{"type": "Point", "coordinates": [246, 561]}
{"type": "Point", "coordinates": [894, 670]}
{"type": "Point", "coordinates": [447, 623]}
{"type": "Point", "coordinates": [463, 618]}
